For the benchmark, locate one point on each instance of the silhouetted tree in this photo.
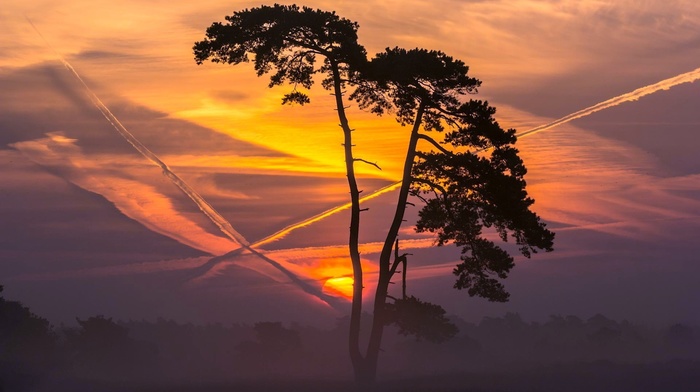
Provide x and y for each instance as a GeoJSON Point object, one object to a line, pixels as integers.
{"type": "Point", "coordinates": [679, 335]}
{"type": "Point", "coordinates": [421, 319]}
{"type": "Point", "coordinates": [276, 337]}
{"type": "Point", "coordinates": [276, 349]}
{"type": "Point", "coordinates": [28, 344]}
{"type": "Point", "coordinates": [102, 348]}
{"type": "Point", "coordinates": [24, 336]}
{"type": "Point", "coordinates": [470, 180]}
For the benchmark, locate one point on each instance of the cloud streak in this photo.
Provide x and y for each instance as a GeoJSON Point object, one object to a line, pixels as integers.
{"type": "Point", "coordinates": [140, 202]}
{"type": "Point", "coordinates": [229, 231]}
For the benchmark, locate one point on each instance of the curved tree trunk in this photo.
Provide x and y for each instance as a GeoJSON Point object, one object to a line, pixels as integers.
{"type": "Point", "coordinates": [385, 273]}
{"type": "Point", "coordinates": [356, 357]}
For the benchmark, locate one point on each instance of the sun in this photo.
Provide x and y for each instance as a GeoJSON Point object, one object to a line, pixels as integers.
{"type": "Point", "coordinates": [339, 287]}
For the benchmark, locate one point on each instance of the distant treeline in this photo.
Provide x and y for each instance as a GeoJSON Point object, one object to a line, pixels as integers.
{"type": "Point", "coordinates": [34, 355]}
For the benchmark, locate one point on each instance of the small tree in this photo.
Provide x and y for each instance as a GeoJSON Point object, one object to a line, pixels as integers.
{"type": "Point", "coordinates": [103, 349]}
{"type": "Point", "coordinates": [471, 180]}
{"type": "Point", "coordinates": [28, 343]}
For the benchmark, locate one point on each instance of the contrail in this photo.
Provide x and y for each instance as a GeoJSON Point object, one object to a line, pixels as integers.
{"type": "Point", "coordinates": [205, 207]}
{"type": "Point", "coordinates": [206, 267]}
{"type": "Point", "coordinates": [282, 233]}
{"type": "Point", "coordinates": [688, 77]}
{"type": "Point", "coordinates": [665, 84]}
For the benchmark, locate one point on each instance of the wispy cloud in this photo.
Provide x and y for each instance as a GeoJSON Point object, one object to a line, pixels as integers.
{"type": "Point", "coordinates": [135, 199]}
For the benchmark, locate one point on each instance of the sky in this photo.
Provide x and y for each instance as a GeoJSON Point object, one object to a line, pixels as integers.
{"type": "Point", "coordinates": [104, 112]}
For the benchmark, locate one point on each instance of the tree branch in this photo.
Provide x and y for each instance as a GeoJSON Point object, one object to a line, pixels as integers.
{"type": "Point", "coordinates": [423, 199]}
{"type": "Point", "coordinates": [434, 143]}
{"type": "Point", "coordinates": [430, 184]}
{"type": "Point", "coordinates": [367, 162]}
{"type": "Point", "coordinates": [311, 48]}
{"type": "Point", "coordinates": [451, 113]}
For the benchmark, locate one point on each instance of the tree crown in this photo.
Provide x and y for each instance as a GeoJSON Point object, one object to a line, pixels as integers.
{"type": "Point", "coordinates": [285, 39]}
{"type": "Point", "coordinates": [471, 179]}
{"type": "Point", "coordinates": [401, 80]}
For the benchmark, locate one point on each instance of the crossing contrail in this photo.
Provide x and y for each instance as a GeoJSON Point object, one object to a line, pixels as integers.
{"type": "Point", "coordinates": [203, 205]}
{"type": "Point", "coordinates": [211, 263]}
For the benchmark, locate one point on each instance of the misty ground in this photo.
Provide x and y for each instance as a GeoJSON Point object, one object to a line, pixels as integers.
{"type": "Point", "coordinates": [565, 353]}
{"type": "Point", "coordinates": [599, 376]}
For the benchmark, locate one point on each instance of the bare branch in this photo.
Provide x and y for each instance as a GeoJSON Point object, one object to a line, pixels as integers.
{"type": "Point", "coordinates": [367, 162]}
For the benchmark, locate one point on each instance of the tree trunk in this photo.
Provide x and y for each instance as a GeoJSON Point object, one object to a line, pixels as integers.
{"type": "Point", "coordinates": [356, 357]}
{"type": "Point", "coordinates": [378, 320]}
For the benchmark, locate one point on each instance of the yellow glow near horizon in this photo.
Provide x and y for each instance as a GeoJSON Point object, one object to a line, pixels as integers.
{"type": "Point", "coordinates": [331, 268]}
{"type": "Point", "coordinates": [339, 287]}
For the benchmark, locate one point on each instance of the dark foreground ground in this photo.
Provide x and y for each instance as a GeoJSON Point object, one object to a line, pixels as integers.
{"type": "Point", "coordinates": [603, 376]}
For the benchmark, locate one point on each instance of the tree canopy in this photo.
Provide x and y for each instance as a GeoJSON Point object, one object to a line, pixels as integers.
{"type": "Point", "coordinates": [471, 179]}
{"type": "Point", "coordinates": [285, 40]}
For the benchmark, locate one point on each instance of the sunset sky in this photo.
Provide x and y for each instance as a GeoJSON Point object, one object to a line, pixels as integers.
{"type": "Point", "coordinates": [89, 226]}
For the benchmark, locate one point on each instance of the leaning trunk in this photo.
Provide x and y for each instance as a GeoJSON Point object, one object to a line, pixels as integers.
{"type": "Point", "coordinates": [385, 273]}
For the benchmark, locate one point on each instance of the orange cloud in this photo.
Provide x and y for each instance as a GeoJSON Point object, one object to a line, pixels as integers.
{"type": "Point", "coordinates": [137, 200]}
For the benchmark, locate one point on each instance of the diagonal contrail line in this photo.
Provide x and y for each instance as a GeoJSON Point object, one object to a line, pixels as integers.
{"type": "Point", "coordinates": [332, 211]}
{"type": "Point", "coordinates": [688, 77]}
{"type": "Point", "coordinates": [203, 205]}
{"type": "Point", "coordinates": [665, 84]}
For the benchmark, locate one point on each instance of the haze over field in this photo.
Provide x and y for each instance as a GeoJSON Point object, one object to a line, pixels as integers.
{"type": "Point", "coordinates": [90, 225]}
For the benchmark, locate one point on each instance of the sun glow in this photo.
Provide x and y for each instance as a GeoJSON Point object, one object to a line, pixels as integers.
{"type": "Point", "coordinates": [339, 287]}
{"type": "Point", "coordinates": [332, 272]}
